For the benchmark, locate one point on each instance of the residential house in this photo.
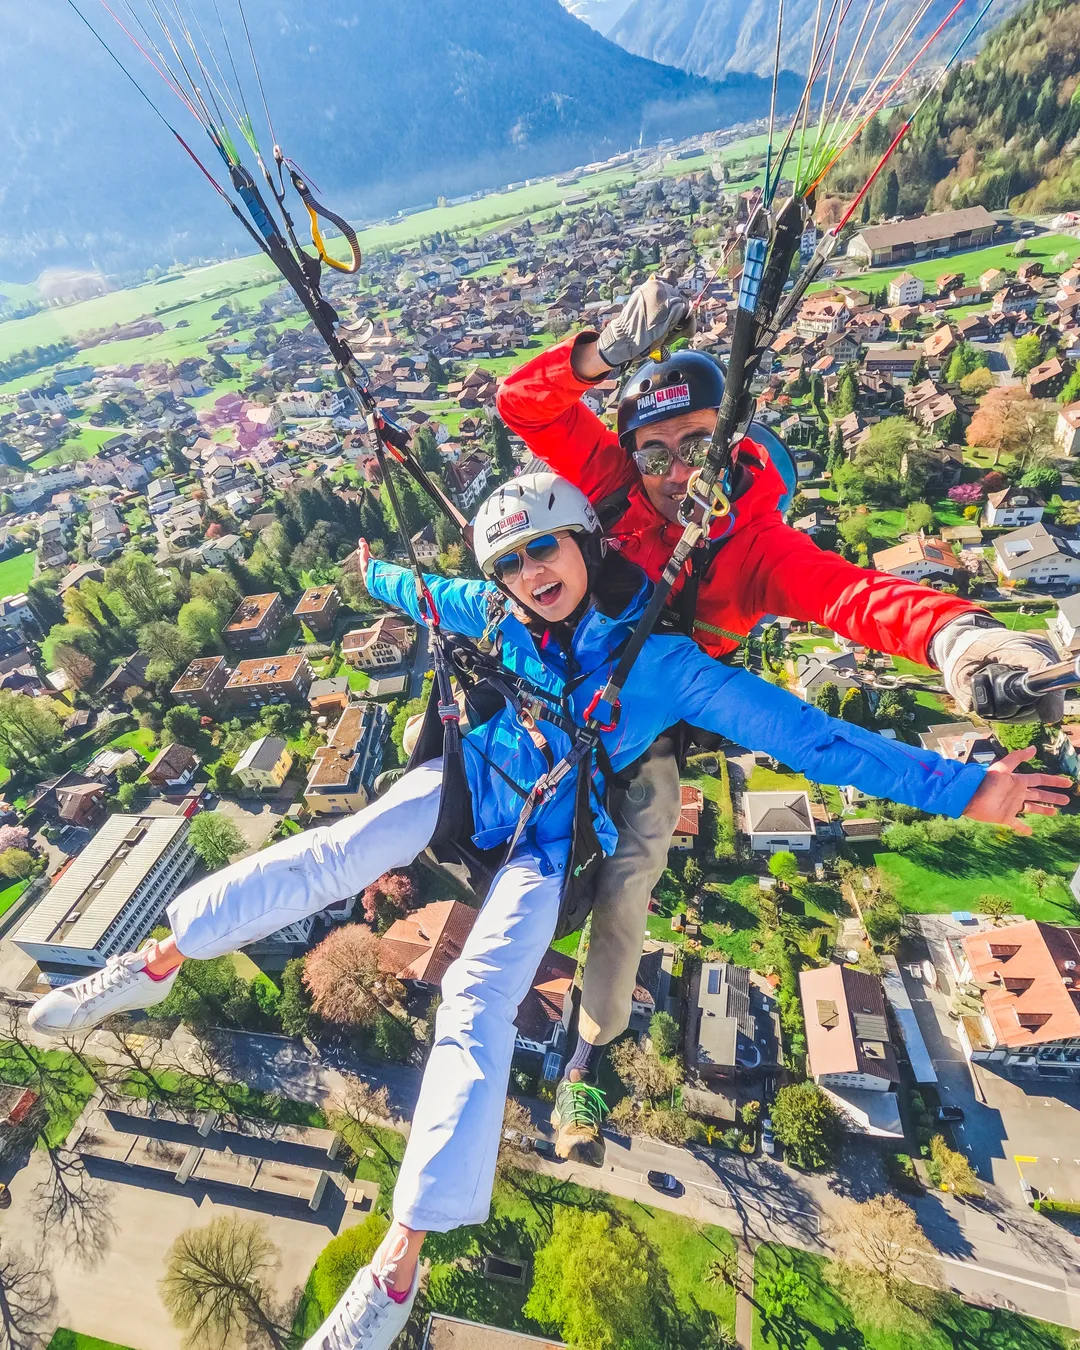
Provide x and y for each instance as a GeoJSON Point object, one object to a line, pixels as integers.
{"type": "Point", "coordinates": [1038, 555]}
{"type": "Point", "coordinates": [651, 986]}
{"type": "Point", "coordinates": [329, 697]}
{"type": "Point", "coordinates": [923, 237]}
{"type": "Point", "coordinates": [906, 289]}
{"type": "Point", "coordinates": [342, 773]}
{"type": "Point", "coordinates": [203, 683]}
{"type": "Point", "coordinates": [15, 612]}
{"type": "Point", "coordinates": [318, 608]}
{"type": "Point", "coordinates": [919, 559]}
{"type": "Point", "coordinates": [108, 532]}
{"type": "Point", "coordinates": [172, 767]}
{"type": "Point", "coordinates": [161, 495]}
{"type": "Point", "coordinates": [1067, 429]}
{"type": "Point", "coordinates": [455, 1333]}
{"type": "Point", "coordinates": [849, 1046]}
{"type": "Point", "coordinates": [779, 821]}
{"type": "Point", "coordinates": [1013, 506]}
{"type": "Point", "coordinates": [129, 674]}
{"type": "Point", "coordinates": [468, 480]}
{"type": "Point", "coordinates": [425, 546]}
{"type": "Point", "coordinates": [734, 1029]}
{"type": "Point", "coordinates": [1024, 984]}
{"type": "Point", "coordinates": [256, 621]}
{"type": "Point", "coordinates": [687, 828]}
{"type": "Point", "coordinates": [963, 742]}
{"type": "Point", "coordinates": [1065, 626]}
{"type": "Point", "coordinates": [385, 643]}
{"type": "Point", "coordinates": [265, 764]}
{"type": "Point", "coordinates": [1047, 379]}
{"type": "Point", "coordinates": [269, 679]}
{"type": "Point", "coordinates": [812, 671]}
{"type": "Point", "coordinates": [216, 552]}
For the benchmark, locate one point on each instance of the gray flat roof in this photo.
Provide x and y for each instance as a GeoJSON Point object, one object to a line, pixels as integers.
{"type": "Point", "coordinates": [101, 881]}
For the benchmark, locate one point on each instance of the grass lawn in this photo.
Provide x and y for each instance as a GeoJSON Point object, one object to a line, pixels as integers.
{"type": "Point", "coordinates": [10, 894]}
{"type": "Point", "coordinates": [16, 574]}
{"type": "Point", "coordinates": [141, 741]}
{"type": "Point", "coordinates": [75, 1340]}
{"type": "Point", "coordinates": [940, 878]}
{"type": "Point", "coordinates": [825, 1322]}
{"type": "Point", "coordinates": [68, 1087]}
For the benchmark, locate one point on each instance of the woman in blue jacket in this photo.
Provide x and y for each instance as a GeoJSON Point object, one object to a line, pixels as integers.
{"type": "Point", "coordinates": [570, 611]}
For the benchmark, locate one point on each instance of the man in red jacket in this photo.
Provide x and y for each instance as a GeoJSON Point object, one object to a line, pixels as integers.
{"type": "Point", "coordinates": [754, 565]}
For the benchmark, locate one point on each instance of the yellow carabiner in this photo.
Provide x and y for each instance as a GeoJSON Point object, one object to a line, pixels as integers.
{"type": "Point", "coordinates": [316, 209]}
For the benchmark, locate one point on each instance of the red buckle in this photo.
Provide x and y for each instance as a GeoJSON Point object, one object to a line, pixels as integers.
{"type": "Point", "coordinates": [616, 708]}
{"type": "Point", "coordinates": [432, 613]}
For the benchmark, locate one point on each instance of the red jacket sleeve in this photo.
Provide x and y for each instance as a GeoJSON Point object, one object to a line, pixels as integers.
{"type": "Point", "coordinates": [541, 402]}
{"type": "Point", "coordinates": [801, 581]}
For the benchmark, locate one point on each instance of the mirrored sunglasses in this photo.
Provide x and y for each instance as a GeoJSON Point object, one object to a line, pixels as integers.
{"type": "Point", "coordinates": [656, 460]}
{"type": "Point", "coordinates": [543, 549]}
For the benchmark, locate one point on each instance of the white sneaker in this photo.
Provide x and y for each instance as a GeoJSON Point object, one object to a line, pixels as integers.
{"type": "Point", "coordinates": [121, 985]}
{"type": "Point", "coordinates": [366, 1317]}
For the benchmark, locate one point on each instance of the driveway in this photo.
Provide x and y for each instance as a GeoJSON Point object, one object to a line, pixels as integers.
{"type": "Point", "coordinates": [257, 818]}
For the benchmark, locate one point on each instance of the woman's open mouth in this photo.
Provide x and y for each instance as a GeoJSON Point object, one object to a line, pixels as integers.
{"type": "Point", "coordinates": [548, 594]}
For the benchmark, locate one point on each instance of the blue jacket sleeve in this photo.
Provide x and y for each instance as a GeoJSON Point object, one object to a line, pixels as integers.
{"type": "Point", "coordinates": [761, 716]}
{"type": "Point", "coordinates": [462, 605]}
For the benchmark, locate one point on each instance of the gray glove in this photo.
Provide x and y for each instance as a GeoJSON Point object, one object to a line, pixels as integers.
{"type": "Point", "coordinates": [960, 649]}
{"type": "Point", "coordinates": [651, 316]}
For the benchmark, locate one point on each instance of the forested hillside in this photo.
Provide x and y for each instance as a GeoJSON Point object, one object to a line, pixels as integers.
{"type": "Point", "coordinates": [1004, 131]}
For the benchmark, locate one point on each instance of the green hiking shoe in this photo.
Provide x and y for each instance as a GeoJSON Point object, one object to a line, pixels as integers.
{"type": "Point", "coordinates": [579, 1112]}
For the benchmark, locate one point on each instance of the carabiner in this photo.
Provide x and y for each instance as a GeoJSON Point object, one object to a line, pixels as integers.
{"type": "Point", "coordinates": [616, 710]}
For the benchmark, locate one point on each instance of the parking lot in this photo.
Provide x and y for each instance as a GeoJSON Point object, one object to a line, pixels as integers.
{"type": "Point", "coordinates": [1012, 1128]}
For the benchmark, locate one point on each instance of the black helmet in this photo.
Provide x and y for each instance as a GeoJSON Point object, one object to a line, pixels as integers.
{"type": "Point", "coordinates": [689, 381]}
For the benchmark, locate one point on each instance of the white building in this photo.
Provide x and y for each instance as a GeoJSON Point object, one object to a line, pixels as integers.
{"type": "Point", "coordinates": [1065, 626]}
{"type": "Point", "coordinates": [110, 897]}
{"type": "Point", "coordinates": [906, 289]}
{"type": "Point", "coordinates": [1067, 429]}
{"type": "Point", "coordinates": [1013, 506]}
{"type": "Point", "coordinates": [1034, 554]}
{"type": "Point", "coordinates": [779, 821]}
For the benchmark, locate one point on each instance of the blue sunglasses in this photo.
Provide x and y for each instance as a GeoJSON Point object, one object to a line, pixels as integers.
{"type": "Point", "coordinates": [543, 549]}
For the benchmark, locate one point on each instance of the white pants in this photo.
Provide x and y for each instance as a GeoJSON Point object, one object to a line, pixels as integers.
{"type": "Point", "coordinates": [449, 1165]}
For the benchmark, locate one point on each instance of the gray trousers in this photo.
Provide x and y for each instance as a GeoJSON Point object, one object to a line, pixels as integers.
{"type": "Point", "coordinates": [646, 815]}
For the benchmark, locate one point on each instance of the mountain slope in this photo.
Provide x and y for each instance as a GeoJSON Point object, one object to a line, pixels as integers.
{"type": "Point", "coordinates": [599, 14]}
{"type": "Point", "coordinates": [713, 37]}
{"type": "Point", "coordinates": [386, 105]}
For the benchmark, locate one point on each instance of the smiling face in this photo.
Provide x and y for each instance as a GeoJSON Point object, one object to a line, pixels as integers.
{"type": "Point", "coordinates": [667, 490]}
{"type": "Point", "coordinates": [553, 588]}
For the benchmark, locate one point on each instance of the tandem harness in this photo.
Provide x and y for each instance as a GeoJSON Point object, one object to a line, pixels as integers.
{"type": "Point", "coordinates": [486, 686]}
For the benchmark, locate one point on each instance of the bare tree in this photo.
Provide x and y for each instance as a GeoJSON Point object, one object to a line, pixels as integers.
{"type": "Point", "coordinates": [643, 1071]}
{"type": "Point", "coordinates": [345, 980]}
{"type": "Point", "coordinates": [516, 1152]}
{"type": "Point", "coordinates": [360, 1107]}
{"type": "Point", "coordinates": [217, 1286]}
{"type": "Point", "coordinates": [883, 1235]}
{"type": "Point", "coordinates": [27, 1300]}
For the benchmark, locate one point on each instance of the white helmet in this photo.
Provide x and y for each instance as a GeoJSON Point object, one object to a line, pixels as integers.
{"type": "Point", "coordinates": [526, 508]}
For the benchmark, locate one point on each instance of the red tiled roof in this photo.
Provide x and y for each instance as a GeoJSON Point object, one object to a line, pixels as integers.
{"type": "Point", "coordinates": [422, 945]}
{"type": "Point", "coordinates": [545, 1003]}
{"type": "Point", "coordinates": [1023, 970]}
{"type": "Point", "coordinates": [692, 802]}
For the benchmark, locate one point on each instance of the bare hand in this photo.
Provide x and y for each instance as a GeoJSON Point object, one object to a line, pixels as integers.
{"type": "Point", "coordinates": [1005, 793]}
{"type": "Point", "coordinates": [363, 552]}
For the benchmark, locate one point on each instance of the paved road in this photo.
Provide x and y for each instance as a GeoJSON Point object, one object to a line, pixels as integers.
{"type": "Point", "coordinates": [421, 664]}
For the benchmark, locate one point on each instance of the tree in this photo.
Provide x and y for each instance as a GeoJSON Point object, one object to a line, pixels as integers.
{"type": "Point", "coordinates": [145, 591]}
{"type": "Point", "coordinates": [294, 1008]}
{"type": "Point", "coordinates": [956, 1172]}
{"type": "Point", "coordinates": [977, 382]}
{"type": "Point", "coordinates": [1037, 879]}
{"type": "Point", "coordinates": [894, 455]}
{"type": "Point", "coordinates": [994, 907]}
{"type": "Point", "coordinates": [643, 1071]}
{"type": "Point", "coordinates": [784, 866]}
{"type": "Point", "coordinates": [516, 1152]}
{"type": "Point", "coordinates": [724, 1272]}
{"type": "Point", "coordinates": [919, 517]}
{"type": "Point", "coordinates": [78, 668]}
{"type": "Point", "coordinates": [884, 1236]}
{"type": "Point", "coordinates": [806, 1123]}
{"type": "Point", "coordinates": [27, 1299]}
{"type": "Point", "coordinates": [167, 647]}
{"type": "Point", "coordinates": [847, 392]}
{"type": "Point", "coordinates": [181, 724]}
{"type": "Point", "coordinates": [14, 836]}
{"type": "Point", "coordinates": [29, 728]}
{"type": "Point", "coordinates": [503, 450]}
{"type": "Point", "coordinates": [966, 494]}
{"type": "Point", "coordinates": [1009, 421]}
{"type": "Point", "coordinates": [855, 530]}
{"type": "Point", "coordinates": [692, 877]}
{"type": "Point", "coordinates": [1043, 478]}
{"type": "Point", "coordinates": [1071, 392]}
{"type": "Point", "coordinates": [343, 976]}
{"type": "Point", "coordinates": [387, 898]}
{"type": "Point", "coordinates": [217, 1285]}
{"type": "Point", "coordinates": [394, 1037]}
{"type": "Point", "coordinates": [215, 838]}
{"type": "Point", "coordinates": [591, 1281]}
{"type": "Point", "coordinates": [827, 699]}
{"type": "Point", "coordinates": [1027, 353]}
{"type": "Point", "coordinates": [664, 1034]}
{"type": "Point", "coordinates": [780, 1292]}
{"type": "Point", "coordinates": [1016, 735]}
{"type": "Point", "coordinates": [200, 623]}
{"type": "Point", "coordinates": [853, 707]}
{"type": "Point", "coordinates": [919, 371]}
{"type": "Point", "coordinates": [219, 589]}
{"type": "Point", "coordinates": [356, 1108]}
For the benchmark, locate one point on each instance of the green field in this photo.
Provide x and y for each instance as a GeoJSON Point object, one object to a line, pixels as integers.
{"type": "Point", "coordinates": [16, 574]}
{"type": "Point", "coordinates": [940, 878]}
{"type": "Point", "coordinates": [825, 1322]}
{"type": "Point", "coordinates": [972, 264]}
{"type": "Point", "coordinates": [10, 894]}
{"type": "Point", "coordinates": [75, 1340]}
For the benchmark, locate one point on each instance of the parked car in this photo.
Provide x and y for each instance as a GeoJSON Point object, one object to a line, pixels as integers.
{"type": "Point", "coordinates": [768, 1141]}
{"type": "Point", "coordinates": [664, 1181]}
{"type": "Point", "coordinates": [949, 1115]}
{"type": "Point", "coordinates": [545, 1148]}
